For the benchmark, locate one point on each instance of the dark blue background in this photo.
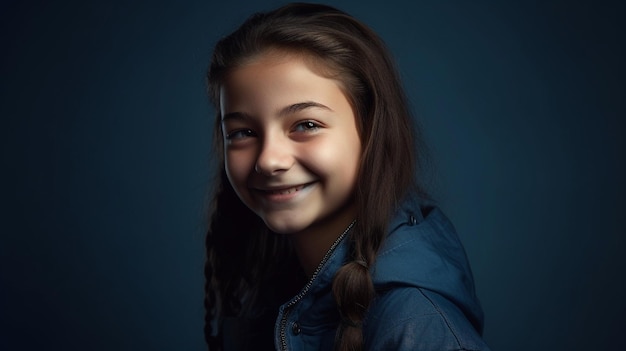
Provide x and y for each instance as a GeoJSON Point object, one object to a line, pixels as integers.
{"type": "Point", "coordinates": [106, 145]}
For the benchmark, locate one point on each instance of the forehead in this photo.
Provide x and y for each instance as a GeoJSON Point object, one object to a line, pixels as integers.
{"type": "Point", "coordinates": [278, 78]}
{"type": "Point", "coordinates": [275, 59]}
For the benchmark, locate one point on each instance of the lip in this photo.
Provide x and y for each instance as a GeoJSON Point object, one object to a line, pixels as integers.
{"type": "Point", "coordinates": [282, 193]}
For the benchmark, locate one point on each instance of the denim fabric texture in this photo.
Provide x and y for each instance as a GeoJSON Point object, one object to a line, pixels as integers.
{"type": "Point", "coordinates": [425, 293]}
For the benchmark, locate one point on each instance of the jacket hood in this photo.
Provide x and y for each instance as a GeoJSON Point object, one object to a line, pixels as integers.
{"type": "Point", "coordinates": [423, 250]}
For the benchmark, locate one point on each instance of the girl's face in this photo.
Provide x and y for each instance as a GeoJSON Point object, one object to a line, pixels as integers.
{"type": "Point", "coordinates": [291, 145]}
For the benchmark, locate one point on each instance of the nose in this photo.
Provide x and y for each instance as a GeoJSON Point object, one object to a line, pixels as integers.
{"type": "Point", "coordinates": [274, 157]}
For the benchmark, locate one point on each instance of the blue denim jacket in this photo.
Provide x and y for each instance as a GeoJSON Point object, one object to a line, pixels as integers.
{"type": "Point", "coordinates": [425, 293]}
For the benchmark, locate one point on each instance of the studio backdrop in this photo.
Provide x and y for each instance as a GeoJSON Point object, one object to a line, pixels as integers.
{"type": "Point", "coordinates": [106, 153]}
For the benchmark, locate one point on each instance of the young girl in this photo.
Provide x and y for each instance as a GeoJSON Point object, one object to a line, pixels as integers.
{"type": "Point", "coordinates": [319, 237]}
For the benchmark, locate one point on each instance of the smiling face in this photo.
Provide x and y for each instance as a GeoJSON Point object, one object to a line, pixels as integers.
{"type": "Point", "coordinates": [291, 146]}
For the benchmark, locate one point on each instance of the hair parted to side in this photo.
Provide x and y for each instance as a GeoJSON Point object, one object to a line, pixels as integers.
{"type": "Point", "coordinates": [357, 58]}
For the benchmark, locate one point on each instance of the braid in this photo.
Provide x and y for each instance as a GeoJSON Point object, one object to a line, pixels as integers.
{"type": "Point", "coordinates": [227, 269]}
{"type": "Point", "coordinates": [211, 302]}
{"type": "Point", "coordinates": [353, 290]}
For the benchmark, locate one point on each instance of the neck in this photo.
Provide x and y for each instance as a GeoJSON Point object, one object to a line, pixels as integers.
{"type": "Point", "coordinates": [314, 242]}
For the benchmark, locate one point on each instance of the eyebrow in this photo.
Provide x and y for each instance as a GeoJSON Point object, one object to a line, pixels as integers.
{"type": "Point", "coordinates": [302, 106]}
{"type": "Point", "coordinates": [287, 110]}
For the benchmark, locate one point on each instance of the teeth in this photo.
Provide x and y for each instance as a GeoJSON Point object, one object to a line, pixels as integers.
{"type": "Point", "coordinates": [286, 191]}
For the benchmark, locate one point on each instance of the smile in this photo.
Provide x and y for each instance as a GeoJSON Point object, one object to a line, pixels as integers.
{"type": "Point", "coordinates": [282, 194]}
{"type": "Point", "coordinates": [286, 191]}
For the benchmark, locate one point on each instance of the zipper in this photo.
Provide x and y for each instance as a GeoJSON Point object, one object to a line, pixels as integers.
{"type": "Point", "coordinates": [295, 300]}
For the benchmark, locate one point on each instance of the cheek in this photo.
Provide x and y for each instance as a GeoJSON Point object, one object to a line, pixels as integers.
{"type": "Point", "coordinates": [337, 158]}
{"type": "Point", "coordinates": [351, 156]}
{"type": "Point", "coordinates": [237, 166]}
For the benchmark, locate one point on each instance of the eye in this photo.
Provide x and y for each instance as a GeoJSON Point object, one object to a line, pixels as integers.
{"type": "Point", "coordinates": [306, 126]}
{"type": "Point", "coordinates": [240, 134]}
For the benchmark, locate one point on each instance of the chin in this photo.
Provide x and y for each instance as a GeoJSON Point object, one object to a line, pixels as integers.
{"type": "Point", "coordinates": [283, 226]}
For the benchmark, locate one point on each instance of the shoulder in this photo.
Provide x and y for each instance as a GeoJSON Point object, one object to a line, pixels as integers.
{"type": "Point", "coordinates": [411, 318]}
{"type": "Point", "coordinates": [425, 290]}
{"type": "Point", "coordinates": [427, 254]}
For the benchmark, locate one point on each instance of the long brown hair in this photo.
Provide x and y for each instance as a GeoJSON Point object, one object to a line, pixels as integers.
{"type": "Point", "coordinates": [355, 56]}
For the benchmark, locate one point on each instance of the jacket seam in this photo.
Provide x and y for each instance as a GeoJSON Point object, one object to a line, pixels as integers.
{"type": "Point", "coordinates": [382, 253]}
{"type": "Point", "coordinates": [402, 321]}
{"type": "Point", "coordinates": [444, 317]}
{"type": "Point", "coordinates": [396, 247]}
